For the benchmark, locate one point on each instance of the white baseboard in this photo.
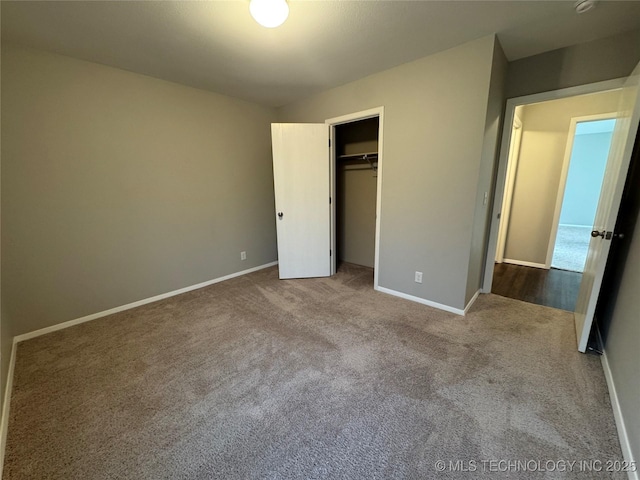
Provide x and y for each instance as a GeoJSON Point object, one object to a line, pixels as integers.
{"type": "Point", "coordinates": [625, 445]}
{"type": "Point", "coordinates": [128, 306]}
{"type": "Point", "coordinates": [429, 303]}
{"type": "Point", "coordinates": [6, 404]}
{"type": "Point", "coordinates": [525, 264]}
{"type": "Point", "coordinates": [472, 301]}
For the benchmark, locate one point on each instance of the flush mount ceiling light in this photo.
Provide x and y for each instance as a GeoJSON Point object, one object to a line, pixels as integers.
{"type": "Point", "coordinates": [269, 13]}
{"type": "Point", "coordinates": [582, 6]}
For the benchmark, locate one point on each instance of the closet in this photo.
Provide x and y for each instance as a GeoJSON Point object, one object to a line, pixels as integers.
{"type": "Point", "coordinates": [356, 154]}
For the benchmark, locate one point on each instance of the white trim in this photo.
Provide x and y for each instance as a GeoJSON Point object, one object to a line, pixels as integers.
{"type": "Point", "coordinates": [566, 162]}
{"type": "Point", "coordinates": [525, 264]}
{"type": "Point", "coordinates": [332, 195]}
{"type": "Point", "coordinates": [128, 306]}
{"type": "Point", "coordinates": [352, 117]}
{"type": "Point", "coordinates": [376, 263]}
{"type": "Point", "coordinates": [429, 303]}
{"type": "Point", "coordinates": [512, 168]}
{"type": "Point", "coordinates": [4, 421]}
{"type": "Point", "coordinates": [625, 445]}
{"type": "Point", "coordinates": [512, 103]}
{"type": "Point", "coordinates": [498, 196]}
{"type": "Point", "coordinates": [471, 302]}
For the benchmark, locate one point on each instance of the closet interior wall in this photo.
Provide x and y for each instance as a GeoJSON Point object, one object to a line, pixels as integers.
{"type": "Point", "coordinates": [356, 190]}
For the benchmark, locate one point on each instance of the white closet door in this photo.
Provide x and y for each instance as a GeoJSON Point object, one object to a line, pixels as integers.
{"type": "Point", "coordinates": [303, 216]}
{"type": "Point", "coordinates": [622, 142]}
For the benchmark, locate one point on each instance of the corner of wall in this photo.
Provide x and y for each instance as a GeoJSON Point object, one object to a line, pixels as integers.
{"type": "Point", "coordinates": [487, 168]}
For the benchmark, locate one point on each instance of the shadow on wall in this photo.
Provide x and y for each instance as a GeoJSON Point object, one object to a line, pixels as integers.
{"type": "Point", "coordinates": [615, 56]}
{"type": "Point", "coordinates": [616, 263]}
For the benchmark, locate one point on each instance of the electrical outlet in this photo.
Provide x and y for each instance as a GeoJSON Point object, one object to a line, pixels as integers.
{"type": "Point", "coordinates": [418, 277]}
{"type": "Point", "coordinates": [243, 255]}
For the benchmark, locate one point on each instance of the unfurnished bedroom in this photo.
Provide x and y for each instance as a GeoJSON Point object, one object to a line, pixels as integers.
{"type": "Point", "coordinates": [276, 239]}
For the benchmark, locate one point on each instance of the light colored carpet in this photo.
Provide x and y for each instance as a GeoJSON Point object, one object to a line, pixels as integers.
{"type": "Point", "coordinates": [572, 245]}
{"type": "Point", "coordinates": [257, 378]}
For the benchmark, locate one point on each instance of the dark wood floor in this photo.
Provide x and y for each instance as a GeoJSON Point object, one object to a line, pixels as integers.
{"type": "Point", "coordinates": [552, 288]}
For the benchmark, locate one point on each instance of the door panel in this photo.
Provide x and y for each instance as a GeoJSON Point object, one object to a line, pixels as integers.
{"type": "Point", "coordinates": [614, 177]}
{"type": "Point", "coordinates": [301, 182]}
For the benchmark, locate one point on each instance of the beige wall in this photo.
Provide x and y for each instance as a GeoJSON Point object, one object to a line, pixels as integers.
{"type": "Point", "coordinates": [357, 137]}
{"type": "Point", "coordinates": [435, 112]}
{"type": "Point", "coordinates": [544, 139]}
{"type": "Point", "coordinates": [490, 146]}
{"type": "Point", "coordinates": [117, 187]}
{"type": "Point", "coordinates": [356, 193]}
{"type": "Point", "coordinates": [356, 214]}
{"type": "Point", "coordinates": [596, 61]}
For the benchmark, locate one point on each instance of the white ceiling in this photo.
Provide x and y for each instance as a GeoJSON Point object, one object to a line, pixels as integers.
{"type": "Point", "coordinates": [216, 45]}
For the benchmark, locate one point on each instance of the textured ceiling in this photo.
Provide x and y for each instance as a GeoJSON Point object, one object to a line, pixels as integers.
{"type": "Point", "coordinates": [216, 45]}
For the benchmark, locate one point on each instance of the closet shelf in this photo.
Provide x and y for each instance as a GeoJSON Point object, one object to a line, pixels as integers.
{"type": "Point", "coordinates": [371, 157]}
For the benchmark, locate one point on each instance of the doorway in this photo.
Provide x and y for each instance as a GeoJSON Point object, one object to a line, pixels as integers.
{"type": "Point", "coordinates": [539, 175]}
{"type": "Point", "coordinates": [356, 184]}
{"type": "Point", "coordinates": [356, 167]}
{"type": "Point", "coordinates": [626, 128]}
{"type": "Point", "coordinates": [305, 158]}
{"type": "Point", "coordinates": [585, 161]}
{"type": "Point", "coordinates": [553, 180]}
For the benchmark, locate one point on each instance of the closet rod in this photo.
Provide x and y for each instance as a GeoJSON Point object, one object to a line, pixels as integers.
{"type": "Point", "coordinates": [371, 157]}
{"type": "Point", "coordinates": [356, 167]}
{"type": "Point", "coordinates": [356, 156]}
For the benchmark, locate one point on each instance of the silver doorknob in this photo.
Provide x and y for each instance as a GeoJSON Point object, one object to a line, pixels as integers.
{"type": "Point", "coordinates": [596, 233]}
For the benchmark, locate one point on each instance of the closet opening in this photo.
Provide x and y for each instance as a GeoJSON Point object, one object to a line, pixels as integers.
{"type": "Point", "coordinates": [355, 190]}
{"type": "Point", "coordinates": [356, 170]}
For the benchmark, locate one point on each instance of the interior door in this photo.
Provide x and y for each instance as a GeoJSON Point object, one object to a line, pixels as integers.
{"type": "Point", "coordinates": [613, 184]}
{"type": "Point", "coordinates": [301, 181]}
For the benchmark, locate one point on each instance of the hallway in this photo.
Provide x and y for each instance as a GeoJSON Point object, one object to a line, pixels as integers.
{"type": "Point", "coordinates": [552, 288]}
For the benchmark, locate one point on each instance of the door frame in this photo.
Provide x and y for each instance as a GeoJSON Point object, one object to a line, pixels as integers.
{"type": "Point", "coordinates": [563, 177]}
{"type": "Point", "coordinates": [512, 168]}
{"type": "Point", "coordinates": [333, 123]}
{"type": "Point", "coordinates": [503, 159]}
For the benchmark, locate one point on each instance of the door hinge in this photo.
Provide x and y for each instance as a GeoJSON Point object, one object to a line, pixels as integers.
{"type": "Point", "coordinates": [594, 350]}
{"type": "Point", "coordinates": [330, 252]}
{"type": "Point", "coordinates": [329, 143]}
{"type": "Point", "coordinates": [329, 200]}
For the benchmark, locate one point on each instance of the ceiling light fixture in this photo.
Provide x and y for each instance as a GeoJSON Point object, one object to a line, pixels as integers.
{"type": "Point", "coordinates": [269, 13]}
{"type": "Point", "coordinates": [582, 6]}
